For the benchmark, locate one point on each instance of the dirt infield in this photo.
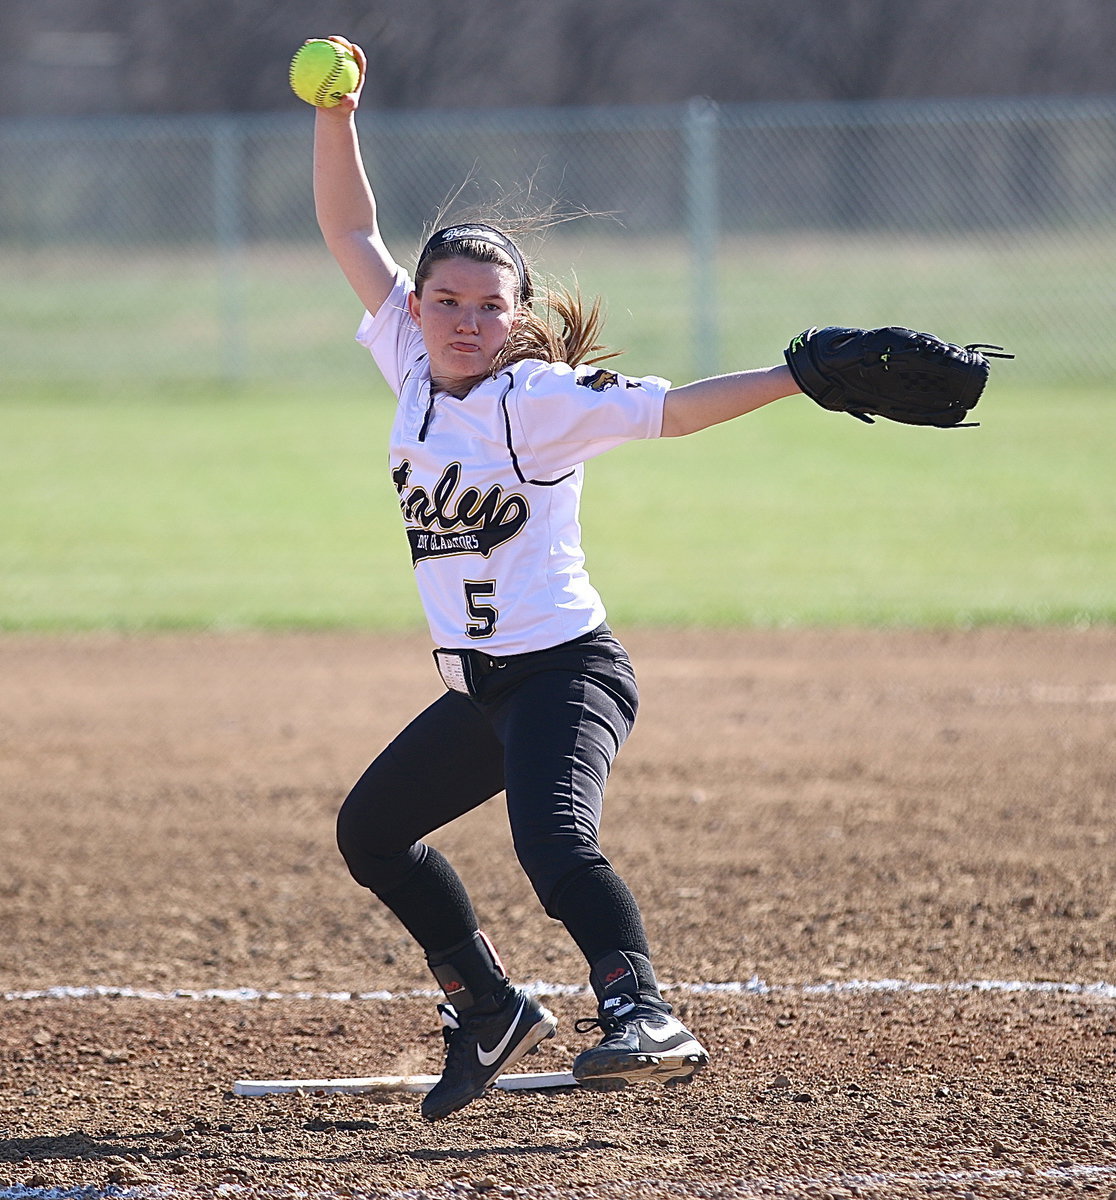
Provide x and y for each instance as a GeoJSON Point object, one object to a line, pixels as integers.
{"type": "Point", "coordinates": [798, 812]}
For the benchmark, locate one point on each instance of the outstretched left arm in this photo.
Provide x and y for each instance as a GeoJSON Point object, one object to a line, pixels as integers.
{"type": "Point", "coordinates": [695, 406]}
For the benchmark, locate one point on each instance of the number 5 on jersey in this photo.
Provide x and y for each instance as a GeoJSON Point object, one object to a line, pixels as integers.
{"type": "Point", "coordinates": [484, 616]}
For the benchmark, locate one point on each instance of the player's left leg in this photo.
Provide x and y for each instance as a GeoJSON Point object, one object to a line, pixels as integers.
{"type": "Point", "coordinates": [562, 727]}
{"type": "Point", "coordinates": [642, 1041]}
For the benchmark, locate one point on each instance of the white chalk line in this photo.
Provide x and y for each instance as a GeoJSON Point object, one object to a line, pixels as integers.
{"type": "Point", "coordinates": [1048, 693]}
{"type": "Point", "coordinates": [750, 987]}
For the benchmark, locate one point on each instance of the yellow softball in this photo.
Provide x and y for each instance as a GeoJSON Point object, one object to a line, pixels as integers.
{"type": "Point", "coordinates": [322, 72]}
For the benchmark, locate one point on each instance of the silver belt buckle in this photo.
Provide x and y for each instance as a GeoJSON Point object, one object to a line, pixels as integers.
{"type": "Point", "coordinates": [451, 667]}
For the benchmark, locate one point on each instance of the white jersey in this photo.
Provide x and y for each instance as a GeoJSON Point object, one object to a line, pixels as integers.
{"type": "Point", "coordinates": [490, 485]}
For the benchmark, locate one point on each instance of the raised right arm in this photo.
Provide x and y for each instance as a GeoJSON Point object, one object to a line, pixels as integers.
{"type": "Point", "coordinates": [344, 201]}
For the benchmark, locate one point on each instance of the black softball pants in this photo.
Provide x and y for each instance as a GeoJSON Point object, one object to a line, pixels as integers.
{"type": "Point", "coordinates": [542, 727]}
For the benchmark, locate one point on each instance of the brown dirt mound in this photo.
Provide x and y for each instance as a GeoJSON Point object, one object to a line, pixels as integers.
{"type": "Point", "coordinates": [808, 808]}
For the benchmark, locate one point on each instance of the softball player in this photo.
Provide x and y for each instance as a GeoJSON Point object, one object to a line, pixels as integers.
{"type": "Point", "coordinates": [497, 413]}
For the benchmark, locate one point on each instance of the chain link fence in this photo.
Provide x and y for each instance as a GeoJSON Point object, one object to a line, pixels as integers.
{"type": "Point", "coordinates": [141, 251]}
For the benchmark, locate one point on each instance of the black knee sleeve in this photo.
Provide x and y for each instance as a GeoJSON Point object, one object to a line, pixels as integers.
{"type": "Point", "coordinates": [432, 904]}
{"type": "Point", "coordinates": [379, 872]}
{"type": "Point", "coordinates": [417, 883]}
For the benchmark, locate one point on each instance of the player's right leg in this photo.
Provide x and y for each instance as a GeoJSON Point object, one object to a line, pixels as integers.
{"type": "Point", "coordinates": [446, 762]}
{"type": "Point", "coordinates": [488, 1024]}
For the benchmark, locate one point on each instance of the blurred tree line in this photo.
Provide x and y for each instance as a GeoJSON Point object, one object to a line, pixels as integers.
{"type": "Point", "coordinates": [63, 57]}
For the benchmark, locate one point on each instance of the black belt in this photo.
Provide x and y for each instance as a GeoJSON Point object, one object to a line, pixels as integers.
{"type": "Point", "coordinates": [462, 670]}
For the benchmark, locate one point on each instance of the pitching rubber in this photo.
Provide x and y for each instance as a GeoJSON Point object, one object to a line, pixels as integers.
{"type": "Point", "coordinates": [390, 1083]}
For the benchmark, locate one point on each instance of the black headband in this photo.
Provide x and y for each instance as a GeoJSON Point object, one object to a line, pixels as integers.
{"type": "Point", "coordinates": [478, 232]}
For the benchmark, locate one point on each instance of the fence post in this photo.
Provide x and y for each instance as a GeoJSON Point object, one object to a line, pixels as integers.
{"type": "Point", "coordinates": [229, 235]}
{"type": "Point", "coordinates": [702, 221]}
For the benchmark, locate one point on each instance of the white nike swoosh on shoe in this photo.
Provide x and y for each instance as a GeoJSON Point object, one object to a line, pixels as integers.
{"type": "Point", "coordinates": [665, 1032]}
{"type": "Point", "coordinates": [488, 1057]}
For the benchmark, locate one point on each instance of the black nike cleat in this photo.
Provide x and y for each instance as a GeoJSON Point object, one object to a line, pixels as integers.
{"type": "Point", "coordinates": [480, 1047]}
{"type": "Point", "coordinates": [642, 1043]}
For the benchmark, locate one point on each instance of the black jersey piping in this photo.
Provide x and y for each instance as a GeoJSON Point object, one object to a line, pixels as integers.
{"type": "Point", "coordinates": [511, 449]}
{"type": "Point", "coordinates": [429, 413]}
{"type": "Point", "coordinates": [429, 403]}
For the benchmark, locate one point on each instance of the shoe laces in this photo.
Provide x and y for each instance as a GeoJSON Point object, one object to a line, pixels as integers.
{"type": "Point", "coordinates": [451, 1023]}
{"type": "Point", "coordinates": [454, 1022]}
{"type": "Point", "coordinates": [609, 1016]}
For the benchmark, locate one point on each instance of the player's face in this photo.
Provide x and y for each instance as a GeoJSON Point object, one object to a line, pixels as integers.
{"type": "Point", "coordinates": [466, 312]}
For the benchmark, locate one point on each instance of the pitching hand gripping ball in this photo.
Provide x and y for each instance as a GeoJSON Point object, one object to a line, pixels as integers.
{"type": "Point", "coordinates": [322, 72]}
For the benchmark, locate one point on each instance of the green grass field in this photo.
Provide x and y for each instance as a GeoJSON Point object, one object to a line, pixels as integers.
{"type": "Point", "coordinates": [272, 508]}
{"type": "Point", "coordinates": [144, 490]}
{"type": "Point", "coordinates": [99, 320]}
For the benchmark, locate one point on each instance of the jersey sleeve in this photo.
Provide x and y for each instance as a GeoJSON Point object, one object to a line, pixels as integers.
{"type": "Point", "coordinates": [560, 416]}
{"type": "Point", "coordinates": [391, 335]}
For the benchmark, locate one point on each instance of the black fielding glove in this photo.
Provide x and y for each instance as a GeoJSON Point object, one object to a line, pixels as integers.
{"type": "Point", "coordinates": [895, 373]}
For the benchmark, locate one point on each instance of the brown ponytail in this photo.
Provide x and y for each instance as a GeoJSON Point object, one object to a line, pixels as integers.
{"type": "Point", "coordinates": [567, 331]}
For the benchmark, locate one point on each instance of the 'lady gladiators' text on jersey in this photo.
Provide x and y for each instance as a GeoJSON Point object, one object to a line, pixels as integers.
{"type": "Point", "coordinates": [433, 518]}
{"type": "Point", "coordinates": [490, 485]}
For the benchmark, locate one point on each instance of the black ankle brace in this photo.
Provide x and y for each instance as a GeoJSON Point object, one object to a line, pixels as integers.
{"type": "Point", "coordinates": [625, 973]}
{"type": "Point", "coordinates": [471, 974]}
